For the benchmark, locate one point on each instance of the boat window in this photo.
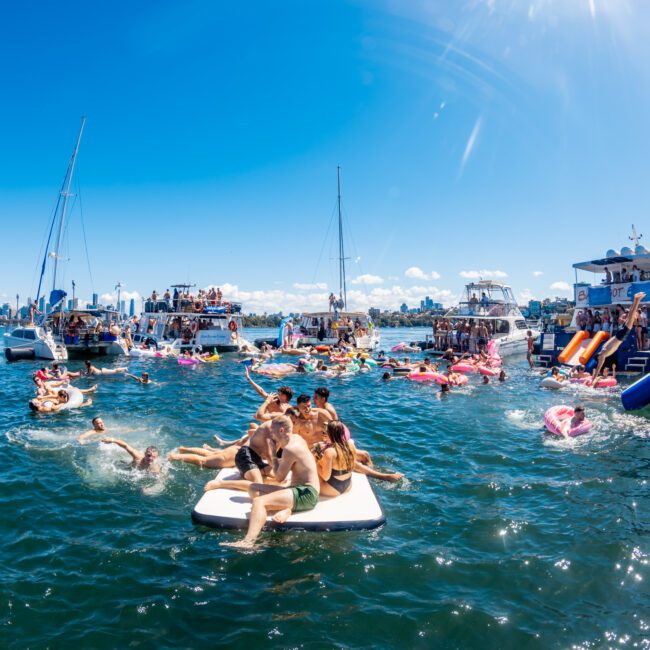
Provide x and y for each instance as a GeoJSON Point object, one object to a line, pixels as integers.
{"type": "Point", "coordinates": [18, 334]}
{"type": "Point", "coordinates": [29, 334]}
{"type": "Point", "coordinates": [521, 324]}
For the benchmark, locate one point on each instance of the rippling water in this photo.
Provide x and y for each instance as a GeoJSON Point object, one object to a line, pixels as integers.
{"type": "Point", "coordinates": [499, 537]}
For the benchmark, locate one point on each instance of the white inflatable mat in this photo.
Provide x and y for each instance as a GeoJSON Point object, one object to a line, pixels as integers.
{"type": "Point", "coordinates": [357, 509]}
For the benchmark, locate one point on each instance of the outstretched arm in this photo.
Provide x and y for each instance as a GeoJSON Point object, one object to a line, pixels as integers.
{"type": "Point", "coordinates": [261, 413]}
{"type": "Point", "coordinates": [258, 389]}
{"type": "Point", "coordinates": [128, 374]}
{"type": "Point", "coordinates": [134, 453]}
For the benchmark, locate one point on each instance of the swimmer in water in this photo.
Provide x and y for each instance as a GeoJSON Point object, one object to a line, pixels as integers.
{"type": "Point", "coordinates": [444, 390]}
{"type": "Point", "coordinates": [98, 428]}
{"type": "Point", "coordinates": [143, 379]}
{"type": "Point", "coordinates": [145, 461]}
{"type": "Point", "coordinates": [91, 370]}
{"type": "Point", "coordinates": [611, 345]}
{"type": "Point", "coordinates": [387, 377]}
{"type": "Point", "coordinates": [595, 381]}
{"type": "Point", "coordinates": [502, 375]}
{"type": "Point", "coordinates": [577, 419]}
{"type": "Point", "coordinates": [486, 379]}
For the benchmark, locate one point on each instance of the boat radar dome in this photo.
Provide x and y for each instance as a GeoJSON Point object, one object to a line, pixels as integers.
{"type": "Point", "coordinates": [612, 252]}
{"type": "Point", "coordinates": [641, 250]}
{"type": "Point", "coordinates": [626, 250]}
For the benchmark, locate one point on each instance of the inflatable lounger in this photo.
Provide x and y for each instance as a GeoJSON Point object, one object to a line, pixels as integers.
{"type": "Point", "coordinates": [357, 509]}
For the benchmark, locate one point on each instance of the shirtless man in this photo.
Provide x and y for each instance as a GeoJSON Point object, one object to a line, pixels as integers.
{"type": "Point", "coordinates": [285, 393]}
{"type": "Point", "coordinates": [611, 345]}
{"type": "Point", "coordinates": [530, 342]}
{"type": "Point", "coordinates": [94, 370]}
{"type": "Point", "coordinates": [98, 427]}
{"type": "Point", "coordinates": [251, 460]}
{"type": "Point", "coordinates": [575, 421]}
{"type": "Point", "coordinates": [300, 496]}
{"type": "Point", "coordinates": [143, 379]}
{"type": "Point", "coordinates": [311, 422]}
{"type": "Point", "coordinates": [145, 461]}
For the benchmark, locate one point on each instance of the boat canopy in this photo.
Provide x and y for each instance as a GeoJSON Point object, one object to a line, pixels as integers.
{"type": "Point", "coordinates": [486, 299]}
{"type": "Point", "coordinates": [614, 263]}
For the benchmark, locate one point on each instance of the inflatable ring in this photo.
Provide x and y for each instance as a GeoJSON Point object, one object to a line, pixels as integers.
{"type": "Point", "coordinates": [198, 306]}
{"type": "Point", "coordinates": [194, 326]}
{"type": "Point", "coordinates": [232, 326]}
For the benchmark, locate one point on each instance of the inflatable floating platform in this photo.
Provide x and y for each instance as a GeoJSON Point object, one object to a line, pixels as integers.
{"type": "Point", "coordinates": [357, 509]}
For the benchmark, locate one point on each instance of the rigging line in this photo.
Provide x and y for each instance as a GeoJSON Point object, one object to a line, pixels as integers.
{"type": "Point", "coordinates": [325, 239]}
{"type": "Point", "coordinates": [47, 246]}
{"type": "Point", "coordinates": [348, 229]}
{"type": "Point", "coordinates": [83, 230]}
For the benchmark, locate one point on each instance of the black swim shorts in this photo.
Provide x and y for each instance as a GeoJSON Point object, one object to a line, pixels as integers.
{"type": "Point", "coordinates": [622, 332]}
{"type": "Point", "coordinates": [247, 459]}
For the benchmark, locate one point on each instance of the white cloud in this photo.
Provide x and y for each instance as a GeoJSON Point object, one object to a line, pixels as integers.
{"type": "Point", "coordinates": [111, 298]}
{"type": "Point", "coordinates": [525, 296]}
{"type": "Point", "coordinates": [561, 286]}
{"type": "Point", "coordinates": [368, 278]}
{"type": "Point", "coordinates": [482, 274]}
{"type": "Point", "coordinates": [537, 274]}
{"type": "Point", "coordinates": [416, 273]}
{"type": "Point", "coordinates": [305, 286]}
{"type": "Point", "coordinates": [275, 300]}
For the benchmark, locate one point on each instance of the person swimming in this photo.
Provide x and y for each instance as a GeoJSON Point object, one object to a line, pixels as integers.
{"type": "Point", "coordinates": [144, 461]}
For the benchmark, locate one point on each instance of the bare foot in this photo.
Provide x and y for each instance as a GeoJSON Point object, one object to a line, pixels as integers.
{"type": "Point", "coordinates": [215, 484]}
{"type": "Point", "coordinates": [182, 449]}
{"type": "Point", "coordinates": [281, 516]}
{"type": "Point", "coordinates": [208, 448]}
{"type": "Point", "coordinates": [640, 296]}
{"type": "Point", "coordinates": [173, 456]}
{"type": "Point", "coordinates": [92, 389]}
{"type": "Point", "coordinates": [393, 478]}
{"type": "Point", "coordinates": [242, 543]}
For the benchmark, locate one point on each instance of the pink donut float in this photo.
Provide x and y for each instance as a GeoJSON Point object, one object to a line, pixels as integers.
{"type": "Point", "coordinates": [463, 366]}
{"type": "Point", "coordinates": [422, 376]}
{"type": "Point", "coordinates": [187, 362]}
{"type": "Point", "coordinates": [556, 417]}
{"type": "Point", "coordinates": [490, 372]}
{"type": "Point", "coordinates": [461, 381]}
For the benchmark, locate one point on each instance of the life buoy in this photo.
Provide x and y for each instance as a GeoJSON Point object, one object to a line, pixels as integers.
{"type": "Point", "coordinates": [198, 306]}
{"type": "Point", "coordinates": [232, 326]}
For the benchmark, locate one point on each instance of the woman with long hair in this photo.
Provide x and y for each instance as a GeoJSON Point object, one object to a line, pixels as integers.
{"type": "Point", "coordinates": [335, 461]}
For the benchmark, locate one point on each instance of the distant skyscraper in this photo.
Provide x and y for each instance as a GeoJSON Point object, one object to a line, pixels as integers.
{"type": "Point", "coordinates": [122, 307]}
{"type": "Point", "coordinates": [132, 307]}
{"type": "Point", "coordinates": [404, 308]}
{"type": "Point", "coordinates": [41, 304]}
{"type": "Point", "coordinates": [95, 300]}
{"type": "Point", "coordinates": [70, 304]}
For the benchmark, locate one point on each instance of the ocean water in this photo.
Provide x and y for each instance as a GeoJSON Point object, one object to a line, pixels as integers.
{"type": "Point", "coordinates": [498, 537]}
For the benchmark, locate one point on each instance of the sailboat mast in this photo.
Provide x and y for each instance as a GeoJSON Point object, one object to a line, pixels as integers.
{"type": "Point", "coordinates": [65, 194]}
{"type": "Point", "coordinates": [342, 286]}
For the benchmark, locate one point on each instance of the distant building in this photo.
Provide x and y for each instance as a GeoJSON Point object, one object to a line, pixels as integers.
{"type": "Point", "coordinates": [70, 307]}
{"type": "Point", "coordinates": [41, 304]}
{"type": "Point", "coordinates": [374, 313]}
{"type": "Point", "coordinates": [404, 308]}
{"type": "Point", "coordinates": [132, 308]}
{"type": "Point", "coordinates": [95, 300]}
{"type": "Point", "coordinates": [534, 308]}
{"type": "Point", "coordinates": [122, 307]}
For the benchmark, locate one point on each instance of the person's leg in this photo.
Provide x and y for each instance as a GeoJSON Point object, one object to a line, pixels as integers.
{"type": "Point", "coordinates": [196, 450]}
{"type": "Point", "coordinates": [236, 484]}
{"type": "Point", "coordinates": [631, 315]}
{"type": "Point", "coordinates": [273, 501]}
{"type": "Point", "coordinates": [192, 459]}
{"type": "Point", "coordinates": [382, 476]}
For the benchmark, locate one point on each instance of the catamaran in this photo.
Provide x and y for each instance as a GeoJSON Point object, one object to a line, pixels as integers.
{"type": "Point", "coordinates": [328, 327]}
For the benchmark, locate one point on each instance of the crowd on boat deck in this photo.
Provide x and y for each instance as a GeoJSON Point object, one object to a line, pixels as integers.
{"type": "Point", "coordinates": [607, 320]}
{"type": "Point", "coordinates": [635, 274]}
{"type": "Point", "coordinates": [186, 300]}
{"type": "Point", "coordinates": [466, 335]}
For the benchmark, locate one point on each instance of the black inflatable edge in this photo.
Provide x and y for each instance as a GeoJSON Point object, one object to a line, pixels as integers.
{"type": "Point", "coordinates": [230, 523]}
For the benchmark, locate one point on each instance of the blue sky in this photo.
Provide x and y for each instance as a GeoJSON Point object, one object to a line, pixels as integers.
{"type": "Point", "coordinates": [501, 138]}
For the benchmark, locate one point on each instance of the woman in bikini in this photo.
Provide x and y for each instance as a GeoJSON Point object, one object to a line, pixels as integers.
{"type": "Point", "coordinates": [335, 461]}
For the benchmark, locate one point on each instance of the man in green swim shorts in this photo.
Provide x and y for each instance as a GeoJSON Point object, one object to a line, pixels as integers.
{"type": "Point", "coordinates": [302, 495]}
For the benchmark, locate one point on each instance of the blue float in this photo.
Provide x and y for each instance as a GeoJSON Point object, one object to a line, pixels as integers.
{"type": "Point", "coordinates": [637, 395]}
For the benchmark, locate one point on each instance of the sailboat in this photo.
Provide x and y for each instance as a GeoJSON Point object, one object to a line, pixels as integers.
{"type": "Point", "coordinates": [328, 327]}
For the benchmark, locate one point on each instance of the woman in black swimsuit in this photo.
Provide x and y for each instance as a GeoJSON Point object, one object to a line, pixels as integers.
{"type": "Point", "coordinates": [335, 461]}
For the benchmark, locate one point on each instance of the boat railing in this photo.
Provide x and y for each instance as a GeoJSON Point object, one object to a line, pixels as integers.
{"type": "Point", "coordinates": [192, 306]}
{"type": "Point", "coordinates": [484, 308]}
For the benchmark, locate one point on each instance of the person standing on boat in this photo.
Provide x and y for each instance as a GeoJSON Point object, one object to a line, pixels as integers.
{"type": "Point", "coordinates": [608, 276]}
{"type": "Point", "coordinates": [219, 296]}
{"type": "Point", "coordinates": [530, 341]}
{"type": "Point", "coordinates": [332, 300]}
{"type": "Point", "coordinates": [167, 298]}
{"type": "Point", "coordinates": [175, 299]}
{"type": "Point", "coordinates": [483, 336]}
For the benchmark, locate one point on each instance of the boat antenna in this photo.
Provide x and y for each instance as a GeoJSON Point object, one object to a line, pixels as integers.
{"type": "Point", "coordinates": [342, 285]}
{"type": "Point", "coordinates": [635, 238]}
{"type": "Point", "coordinates": [65, 193]}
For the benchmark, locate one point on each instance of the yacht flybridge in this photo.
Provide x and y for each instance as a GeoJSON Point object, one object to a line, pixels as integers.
{"type": "Point", "coordinates": [492, 304]}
